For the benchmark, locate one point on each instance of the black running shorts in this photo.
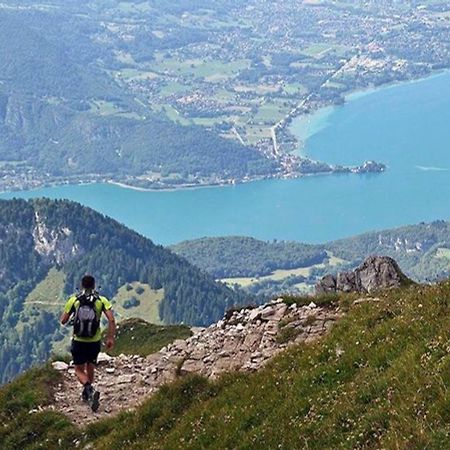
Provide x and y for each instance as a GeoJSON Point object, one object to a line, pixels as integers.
{"type": "Point", "coordinates": [85, 352]}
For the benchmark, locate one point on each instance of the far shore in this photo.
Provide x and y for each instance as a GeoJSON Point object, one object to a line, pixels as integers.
{"type": "Point", "coordinates": [317, 115]}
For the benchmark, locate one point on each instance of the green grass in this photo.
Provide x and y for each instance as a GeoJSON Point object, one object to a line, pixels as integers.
{"type": "Point", "coordinates": [379, 379]}
{"type": "Point", "coordinates": [21, 425]}
{"type": "Point", "coordinates": [443, 253]}
{"type": "Point", "coordinates": [386, 388]}
{"type": "Point", "coordinates": [104, 108]}
{"type": "Point", "coordinates": [48, 295]}
{"type": "Point", "coordinates": [270, 113]}
{"type": "Point", "coordinates": [295, 89]}
{"type": "Point", "coordinates": [173, 87]}
{"type": "Point", "coordinates": [149, 299]}
{"type": "Point", "coordinates": [136, 74]}
{"type": "Point", "coordinates": [211, 70]}
{"type": "Point", "coordinates": [171, 113]}
{"type": "Point", "coordinates": [49, 292]}
{"type": "Point", "coordinates": [137, 337]}
{"type": "Point", "coordinates": [315, 50]}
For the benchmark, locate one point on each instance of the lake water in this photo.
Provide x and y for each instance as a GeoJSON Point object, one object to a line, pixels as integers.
{"type": "Point", "coordinates": [404, 126]}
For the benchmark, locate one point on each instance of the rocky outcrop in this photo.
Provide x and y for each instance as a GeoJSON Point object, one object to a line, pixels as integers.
{"type": "Point", "coordinates": [55, 246]}
{"type": "Point", "coordinates": [244, 340]}
{"type": "Point", "coordinates": [375, 273]}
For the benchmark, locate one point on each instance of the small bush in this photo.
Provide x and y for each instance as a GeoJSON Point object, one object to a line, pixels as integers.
{"type": "Point", "coordinates": [139, 290]}
{"type": "Point", "coordinates": [131, 303]}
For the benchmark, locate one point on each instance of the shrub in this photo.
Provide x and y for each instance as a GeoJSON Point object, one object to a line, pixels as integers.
{"type": "Point", "coordinates": [131, 303]}
{"type": "Point", "coordinates": [140, 290]}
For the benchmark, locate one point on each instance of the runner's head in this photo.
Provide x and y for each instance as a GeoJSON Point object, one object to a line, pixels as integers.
{"type": "Point", "coordinates": [88, 283]}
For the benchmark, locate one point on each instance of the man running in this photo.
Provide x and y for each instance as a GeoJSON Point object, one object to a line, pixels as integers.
{"type": "Point", "coordinates": [87, 308]}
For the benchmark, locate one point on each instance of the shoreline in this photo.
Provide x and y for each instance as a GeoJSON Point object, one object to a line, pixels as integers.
{"type": "Point", "coordinates": [315, 117]}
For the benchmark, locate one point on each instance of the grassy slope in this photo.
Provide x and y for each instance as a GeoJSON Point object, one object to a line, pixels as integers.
{"type": "Point", "coordinates": [149, 302]}
{"type": "Point", "coordinates": [49, 292]}
{"type": "Point", "coordinates": [23, 427]}
{"type": "Point", "coordinates": [380, 379]}
{"type": "Point", "coordinates": [135, 336]}
{"type": "Point", "coordinates": [49, 295]}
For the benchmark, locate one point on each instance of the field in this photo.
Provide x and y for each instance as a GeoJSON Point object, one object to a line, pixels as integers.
{"type": "Point", "coordinates": [49, 296]}
{"type": "Point", "coordinates": [147, 309]}
{"type": "Point", "coordinates": [49, 292]}
{"type": "Point", "coordinates": [211, 70]}
{"type": "Point", "coordinates": [443, 253]}
{"type": "Point", "coordinates": [282, 274]}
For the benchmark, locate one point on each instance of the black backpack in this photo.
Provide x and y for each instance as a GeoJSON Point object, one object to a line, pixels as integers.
{"type": "Point", "coordinates": [86, 322]}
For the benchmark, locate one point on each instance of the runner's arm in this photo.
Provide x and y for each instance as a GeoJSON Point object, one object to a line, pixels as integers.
{"type": "Point", "coordinates": [111, 337]}
{"type": "Point", "coordinates": [64, 318]}
{"type": "Point", "coordinates": [68, 310]}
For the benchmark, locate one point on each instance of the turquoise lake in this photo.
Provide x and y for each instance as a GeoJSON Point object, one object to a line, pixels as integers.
{"type": "Point", "coordinates": [405, 126]}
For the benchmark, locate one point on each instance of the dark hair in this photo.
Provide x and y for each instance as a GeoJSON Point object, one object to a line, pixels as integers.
{"type": "Point", "coordinates": [88, 282]}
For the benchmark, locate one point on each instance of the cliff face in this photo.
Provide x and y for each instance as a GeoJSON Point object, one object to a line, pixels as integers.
{"type": "Point", "coordinates": [375, 273]}
{"type": "Point", "coordinates": [56, 246]}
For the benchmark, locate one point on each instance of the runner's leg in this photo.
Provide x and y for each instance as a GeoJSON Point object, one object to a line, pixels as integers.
{"type": "Point", "coordinates": [80, 371]}
{"type": "Point", "coordinates": [90, 368]}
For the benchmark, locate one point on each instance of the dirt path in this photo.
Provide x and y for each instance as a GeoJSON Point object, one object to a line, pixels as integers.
{"type": "Point", "coordinates": [244, 340]}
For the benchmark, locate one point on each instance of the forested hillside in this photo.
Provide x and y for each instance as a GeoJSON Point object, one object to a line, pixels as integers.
{"type": "Point", "coordinates": [422, 251]}
{"type": "Point", "coordinates": [229, 257]}
{"type": "Point", "coordinates": [40, 235]}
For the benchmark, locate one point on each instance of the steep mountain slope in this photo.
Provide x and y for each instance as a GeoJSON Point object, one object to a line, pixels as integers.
{"type": "Point", "coordinates": [379, 379]}
{"type": "Point", "coordinates": [40, 235]}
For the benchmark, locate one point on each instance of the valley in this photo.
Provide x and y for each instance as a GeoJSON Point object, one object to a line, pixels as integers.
{"type": "Point", "coordinates": [205, 82]}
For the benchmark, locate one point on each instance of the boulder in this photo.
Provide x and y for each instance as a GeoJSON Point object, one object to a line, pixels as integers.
{"type": "Point", "coordinates": [375, 273]}
{"type": "Point", "coordinates": [380, 273]}
{"type": "Point", "coordinates": [275, 312]}
{"type": "Point", "coordinates": [103, 357]}
{"type": "Point", "coordinates": [326, 284]}
{"type": "Point", "coordinates": [60, 365]}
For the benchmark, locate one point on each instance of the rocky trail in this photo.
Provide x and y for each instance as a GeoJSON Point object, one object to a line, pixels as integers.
{"type": "Point", "coordinates": [243, 340]}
